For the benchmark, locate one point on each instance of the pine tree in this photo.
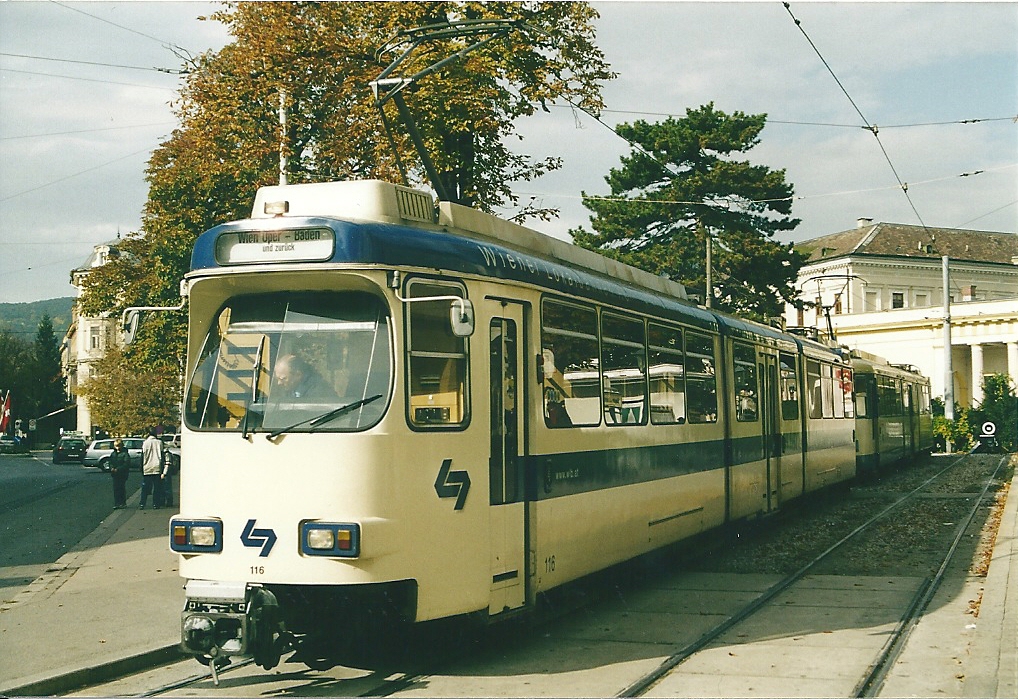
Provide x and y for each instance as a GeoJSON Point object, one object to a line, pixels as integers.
{"type": "Point", "coordinates": [682, 183]}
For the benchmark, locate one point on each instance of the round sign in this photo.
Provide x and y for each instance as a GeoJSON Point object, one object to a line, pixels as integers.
{"type": "Point", "coordinates": [989, 429]}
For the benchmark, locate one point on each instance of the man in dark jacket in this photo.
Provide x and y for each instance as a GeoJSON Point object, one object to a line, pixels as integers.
{"type": "Point", "coordinates": [120, 466]}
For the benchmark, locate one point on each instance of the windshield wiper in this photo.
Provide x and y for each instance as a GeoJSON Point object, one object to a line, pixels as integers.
{"type": "Point", "coordinates": [256, 371]}
{"type": "Point", "coordinates": [326, 417]}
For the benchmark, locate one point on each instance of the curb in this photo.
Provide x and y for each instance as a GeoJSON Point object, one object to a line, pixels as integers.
{"type": "Point", "coordinates": [61, 684]}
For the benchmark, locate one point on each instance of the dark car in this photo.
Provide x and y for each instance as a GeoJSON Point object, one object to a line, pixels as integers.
{"type": "Point", "coordinates": [69, 449]}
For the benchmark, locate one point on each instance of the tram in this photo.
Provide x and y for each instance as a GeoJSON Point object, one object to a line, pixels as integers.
{"type": "Point", "coordinates": [894, 416]}
{"type": "Point", "coordinates": [481, 413]}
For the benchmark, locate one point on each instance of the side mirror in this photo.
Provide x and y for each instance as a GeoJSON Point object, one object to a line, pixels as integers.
{"type": "Point", "coordinates": [131, 327]}
{"type": "Point", "coordinates": [461, 318]}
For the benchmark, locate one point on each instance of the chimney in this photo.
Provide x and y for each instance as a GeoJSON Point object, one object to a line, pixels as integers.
{"type": "Point", "coordinates": [863, 222]}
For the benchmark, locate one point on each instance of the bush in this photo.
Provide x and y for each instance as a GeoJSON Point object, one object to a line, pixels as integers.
{"type": "Point", "coordinates": [958, 431]}
{"type": "Point", "coordinates": [1000, 406]}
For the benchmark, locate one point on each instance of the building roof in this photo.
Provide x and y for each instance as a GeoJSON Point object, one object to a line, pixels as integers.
{"type": "Point", "coordinates": [110, 247]}
{"type": "Point", "coordinates": [901, 240]}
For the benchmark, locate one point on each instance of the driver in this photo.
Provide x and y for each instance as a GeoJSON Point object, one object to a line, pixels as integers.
{"type": "Point", "coordinates": [295, 381]}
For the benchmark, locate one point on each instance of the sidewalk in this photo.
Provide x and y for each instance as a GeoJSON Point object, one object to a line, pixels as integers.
{"type": "Point", "coordinates": [113, 600]}
{"type": "Point", "coordinates": [992, 669]}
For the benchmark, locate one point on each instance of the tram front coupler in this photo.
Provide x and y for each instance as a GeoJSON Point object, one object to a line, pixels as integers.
{"type": "Point", "coordinates": [225, 619]}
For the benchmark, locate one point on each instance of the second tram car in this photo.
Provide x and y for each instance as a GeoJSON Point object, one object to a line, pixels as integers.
{"type": "Point", "coordinates": [894, 417]}
{"type": "Point", "coordinates": [396, 414]}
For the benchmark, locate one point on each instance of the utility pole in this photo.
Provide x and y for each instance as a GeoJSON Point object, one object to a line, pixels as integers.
{"type": "Point", "coordinates": [708, 291]}
{"type": "Point", "coordinates": [282, 136]}
{"type": "Point", "coordinates": [948, 365]}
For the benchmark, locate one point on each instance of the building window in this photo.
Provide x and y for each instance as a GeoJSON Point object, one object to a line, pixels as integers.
{"type": "Point", "coordinates": [872, 301]}
{"type": "Point", "coordinates": [897, 299]}
{"type": "Point", "coordinates": [922, 300]}
{"type": "Point", "coordinates": [94, 337]}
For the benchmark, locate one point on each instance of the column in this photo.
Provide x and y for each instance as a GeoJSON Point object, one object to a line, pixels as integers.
{"type": "Point", "coordinates": [977, 375]}
{"type": "Point", "coordinates": [1012, 362]}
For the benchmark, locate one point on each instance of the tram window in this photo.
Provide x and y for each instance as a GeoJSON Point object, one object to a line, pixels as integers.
{"type": "Point", "coordinates": [847, 389]}
{"type": "Point", "coordinates": [837, 392]}
{"type": "Point", "coordinates": [865, 395]}
{"type": "Point", "coordinates": [437, 359]}
{"type": "Point", "coordinates": [888, 397]}
{"type": "Point", "coordinates": [701, 381]}
{"type": "Point", "coordinates": [623, 370]}
{"type": "Point", "coordinates": [744, 367]}
{"type": "Point", "coordinates": [572, 380]}
{"type": "Point", "coordinates": [789, 387]}
{"type": "Point", "coordinates": [827, 389]}
{"type": "Point", "coordinates": [924, 399]}
{"type": "Point", "coordinates": [667, 375]}
{"type": "Point", "coordinates": [338, 346]}
{"type": "Point", "coordinates": [813, 390]}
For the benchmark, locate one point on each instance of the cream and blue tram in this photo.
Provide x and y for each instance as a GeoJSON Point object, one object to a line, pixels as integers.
{"type": "Point", "coordinates": [485, 413]}
{"type": "Point", "coordinates": [894, 416]}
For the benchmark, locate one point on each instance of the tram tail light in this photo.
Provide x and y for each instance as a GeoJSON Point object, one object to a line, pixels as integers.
{"type": "Point", "coordinates": [196, 536]}
{"type": "Point", "coordinates": [328, 539]}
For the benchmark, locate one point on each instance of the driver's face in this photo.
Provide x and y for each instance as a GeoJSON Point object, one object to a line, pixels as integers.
{"type": "Point", "coordinates": [286, 375]}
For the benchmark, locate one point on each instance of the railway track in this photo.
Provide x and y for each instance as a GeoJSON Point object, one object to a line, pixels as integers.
{"type": "Point", "coordinates": [718, 627]}
{"type": "Point", "coordinates": [872, 679]}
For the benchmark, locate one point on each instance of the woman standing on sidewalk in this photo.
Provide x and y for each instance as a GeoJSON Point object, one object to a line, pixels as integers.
{"type": "Point", "coordinates": [120, 466]}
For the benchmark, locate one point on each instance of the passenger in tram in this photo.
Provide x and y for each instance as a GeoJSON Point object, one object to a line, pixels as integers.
{"type": "Point", "coordinates": [296, 381]}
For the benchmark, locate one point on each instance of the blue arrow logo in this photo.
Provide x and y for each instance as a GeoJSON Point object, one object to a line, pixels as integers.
{"type": "Point", "coordinates": [452, 484]}
{"type": "Point", "coordinates": [255, 538]}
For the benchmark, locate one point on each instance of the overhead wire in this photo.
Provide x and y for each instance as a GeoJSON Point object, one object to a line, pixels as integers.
{"type": "Point", "coordinates": [87, 80]}
{"type": "Point", "coordinates": [80, 131]}
{"type": "Point", "coordinates": [75, 174]}
{"type": "Point", "coordinates": [168, 44]}
{"type": "Point", "coordinates": [813, 123]}
{"type": "Point", "coordinates": [168, 71]}
{"type": "Point", "coordinates": [871, 127]}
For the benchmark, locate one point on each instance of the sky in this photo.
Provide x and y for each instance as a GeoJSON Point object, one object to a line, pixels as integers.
{"type": "Point", "coordinates": [85, 97]}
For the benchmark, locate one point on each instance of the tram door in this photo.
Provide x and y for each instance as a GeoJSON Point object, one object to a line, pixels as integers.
{"type": "Point", "coordinates": [771, 415]}
{"type": "Point", "coordinates": [507, 510]}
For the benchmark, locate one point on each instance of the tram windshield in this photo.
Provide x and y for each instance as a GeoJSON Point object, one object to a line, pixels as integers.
{"type": "Point", "coordinates": [291, 362]}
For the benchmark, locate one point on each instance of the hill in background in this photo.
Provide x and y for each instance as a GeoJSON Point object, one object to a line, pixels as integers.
{"type": "Point", "coordinates": [23, 318]}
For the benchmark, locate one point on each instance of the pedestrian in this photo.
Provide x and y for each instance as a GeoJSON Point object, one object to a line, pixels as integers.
{"type": "Point", "coordinates": [171, 465]}
{"type": "Point", "coordinates": [120, 467]}
{"type": "Point", "coordinates": [151, 470]}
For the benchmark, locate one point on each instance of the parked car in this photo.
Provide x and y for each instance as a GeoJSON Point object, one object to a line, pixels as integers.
{"type": "Point", "coordinates": [98, 452]}
{"type": "Point", "coordinates": [69, 448]}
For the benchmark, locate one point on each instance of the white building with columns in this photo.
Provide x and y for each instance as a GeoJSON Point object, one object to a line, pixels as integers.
{"type": "Point", "coordinates": [879, 287]}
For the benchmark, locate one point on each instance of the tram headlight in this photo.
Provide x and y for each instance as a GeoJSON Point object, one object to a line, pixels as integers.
{"type": "Point", "coordinates": [196, 535]}
{"type": "Point", "coordinates": [330, 539]}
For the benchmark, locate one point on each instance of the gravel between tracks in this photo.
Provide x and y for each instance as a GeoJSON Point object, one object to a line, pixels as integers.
{"type": "Point", "coordinates": [901, 543]}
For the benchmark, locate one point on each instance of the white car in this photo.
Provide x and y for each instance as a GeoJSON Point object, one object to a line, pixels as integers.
{"type": "Point", "coordinates": [98, 452]}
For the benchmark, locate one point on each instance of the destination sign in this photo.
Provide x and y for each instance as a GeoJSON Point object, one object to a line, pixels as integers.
{"type": "Point", "coordinates": [302, 244]}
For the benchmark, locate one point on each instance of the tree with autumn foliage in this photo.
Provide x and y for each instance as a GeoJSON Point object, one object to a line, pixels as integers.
{"type": "Point", "coordinates": [681, 183]}
{"type": "Point", "coordinates": [127, 400]}
{"type": "Point", "coordinates": [317, 60]}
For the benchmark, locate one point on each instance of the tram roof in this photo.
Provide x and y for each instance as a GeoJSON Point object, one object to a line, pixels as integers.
{"type": "Point", "coordinates": [373, 222]}
{"type": "Point", "coordinates": [401, 246]}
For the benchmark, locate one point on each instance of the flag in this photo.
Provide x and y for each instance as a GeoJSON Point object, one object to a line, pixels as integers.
{"type": "Point", "coordinates": [5, 414]}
